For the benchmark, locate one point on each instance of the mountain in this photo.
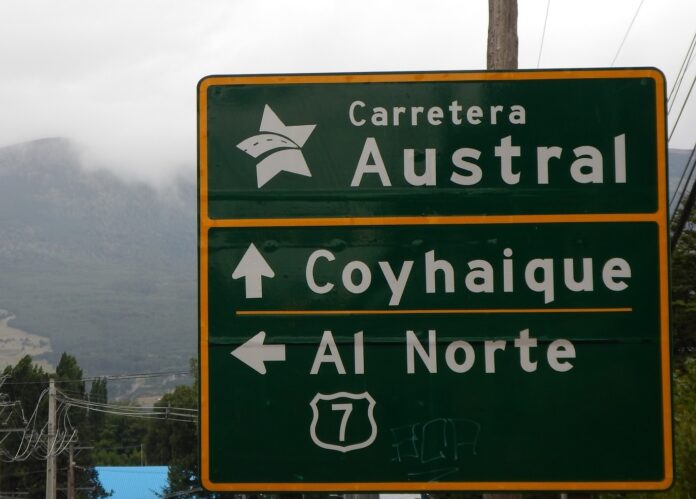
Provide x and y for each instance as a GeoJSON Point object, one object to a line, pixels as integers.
{"type": "Point", "coordinates": [104, 268]}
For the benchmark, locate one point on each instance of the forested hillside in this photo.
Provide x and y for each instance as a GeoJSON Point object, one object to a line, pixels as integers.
{"type": "Point", "coordinates": [104, 268]}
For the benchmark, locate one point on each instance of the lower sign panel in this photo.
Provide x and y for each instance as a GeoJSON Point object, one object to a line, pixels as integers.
{"type": "Point", "coordinates": [436, 357]}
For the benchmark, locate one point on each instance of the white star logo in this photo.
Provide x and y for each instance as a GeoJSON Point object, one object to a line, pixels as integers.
{"type": "Point", "coordinates": [285, 142]}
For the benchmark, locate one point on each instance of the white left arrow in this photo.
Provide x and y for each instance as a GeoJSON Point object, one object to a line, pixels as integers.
{"type": "Point", "coordinates": [254, 353]}
{"type": "Point", "coordinates": [252, 267]}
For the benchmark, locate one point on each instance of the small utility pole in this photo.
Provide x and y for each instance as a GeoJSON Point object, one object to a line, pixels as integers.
{"type": "Point", "coordinates": [71, 471]}
{"type": "Point", "coordinates": [50, 441]}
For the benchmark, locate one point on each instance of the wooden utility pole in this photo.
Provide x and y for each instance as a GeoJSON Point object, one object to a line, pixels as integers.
{"type": "Point", "coordinates": [71, 472]}
{"type": "Point", "coordinates": [502, 34]}
{"type": "Point", "coordinates": [50, 441]}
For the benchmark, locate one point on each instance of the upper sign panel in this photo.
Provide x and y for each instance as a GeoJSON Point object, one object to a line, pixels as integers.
{"type": "Point", "coordinates": [433, 144]}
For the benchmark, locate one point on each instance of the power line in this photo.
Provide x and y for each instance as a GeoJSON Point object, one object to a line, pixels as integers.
{"type": "Point", "coordinates": [140, 375]}
{"type": "Point", "coordinates": [134, 408]}
{"type": "Point", "coordinates": [685, 179]}
{"type": "Point", "coordinates": [183, 414]}
{"type": "Point", "coordinates": [686, 100]}
{"type": "Point", "coordinates": [630, 26]}
{"type": "Point", "coordinates": [108, 377]}
{"type": "Point", "coordinates": [682, 72]}
{"type": "Point", "coordinates": [34, 441]}
{"type": "Point", "coordinates": [543, 33]}
{"type": "Point", "coordinates": [687, 207]}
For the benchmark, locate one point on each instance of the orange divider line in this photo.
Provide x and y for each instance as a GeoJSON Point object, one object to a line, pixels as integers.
{"type": "Point", "coordinates": [438, 311]}
{"type": "Point", "coordinates": [429, 220]}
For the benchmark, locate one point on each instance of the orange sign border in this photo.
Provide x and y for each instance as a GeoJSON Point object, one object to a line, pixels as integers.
{"type": "Point", "coordinates": [659, 217]}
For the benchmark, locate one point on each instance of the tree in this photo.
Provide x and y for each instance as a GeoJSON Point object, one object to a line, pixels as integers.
{"type": "Point", "coordinates": [26, 467]}
{"type": "Point", "coordinates": [174, 442]}
{"type": "Point", "coordinates": [685, 428]}
{"type": "Point", "coordinates": [684, 294]}
{"type": "Point", "coordinates": [69, 377]}
{"type": "Point", "coordinates": [118, 441]}
{"type": "Point", "coordinates": [98, 394]}
{"type": "Point", "coordinates": [25, 385]}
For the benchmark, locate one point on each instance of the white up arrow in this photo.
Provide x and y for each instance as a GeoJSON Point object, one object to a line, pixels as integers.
{"type": "Point", "coordinates": [254, 353]}
{"type": "Point", "coordinates": [252, 267]}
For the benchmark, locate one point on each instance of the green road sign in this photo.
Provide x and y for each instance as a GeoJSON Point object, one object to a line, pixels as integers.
{"type": "Point", "coordinates": [434, 281]}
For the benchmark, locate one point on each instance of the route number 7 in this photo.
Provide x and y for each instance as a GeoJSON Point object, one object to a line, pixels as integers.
{"type": "Point", "coordinates": [343, 402]}
{"type": "Point", "coordinates": [347, 409]}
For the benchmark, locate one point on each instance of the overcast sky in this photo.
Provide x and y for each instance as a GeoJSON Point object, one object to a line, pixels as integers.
{"type": "Point", "coordinates": [119, 77]}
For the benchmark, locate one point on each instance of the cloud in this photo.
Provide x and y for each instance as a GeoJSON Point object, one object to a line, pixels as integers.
{"type": "Point", "coordinates": [120, 77]}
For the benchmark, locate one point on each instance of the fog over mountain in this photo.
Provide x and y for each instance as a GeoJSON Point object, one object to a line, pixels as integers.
{"type": "Point", "coordinates": [103, 267]}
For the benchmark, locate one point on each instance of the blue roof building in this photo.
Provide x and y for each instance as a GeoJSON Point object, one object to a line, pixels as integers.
{"type": "Point", "coordinates": [133, 482]}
